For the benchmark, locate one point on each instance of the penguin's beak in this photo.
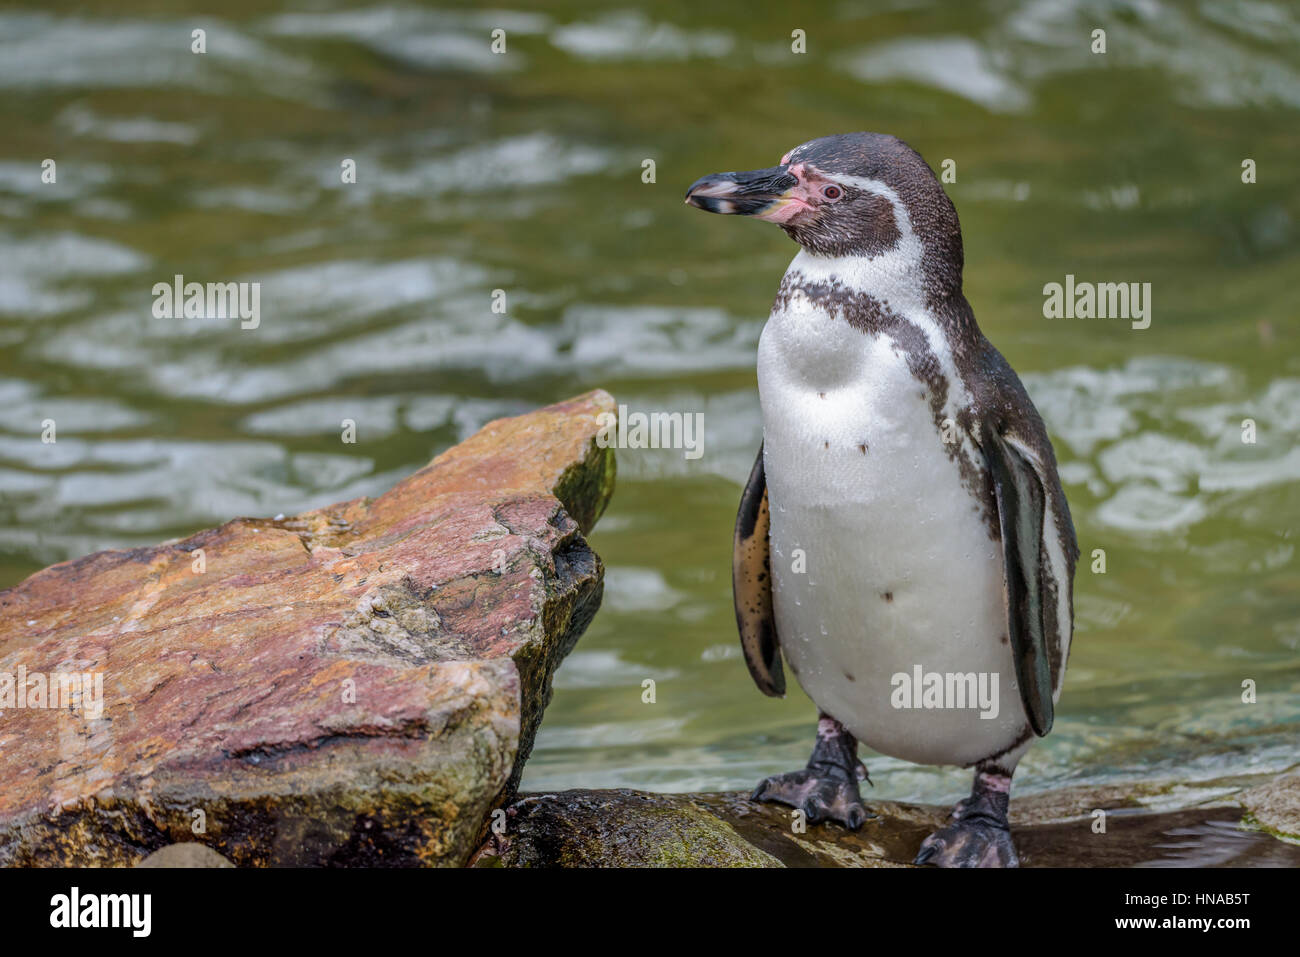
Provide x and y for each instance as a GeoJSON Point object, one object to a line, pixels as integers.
{"type": "Point", "coordinates": [763, 193]}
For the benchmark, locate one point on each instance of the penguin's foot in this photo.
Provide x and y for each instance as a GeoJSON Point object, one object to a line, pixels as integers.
{"type": "Point", "coordinates": [970, 842]}
{"type": "Point", "coordinates": [820, 797]}
{"type": "Point", "coordinates": [978, 834]}
{"type": "Point", "coordinates": [827, 789]}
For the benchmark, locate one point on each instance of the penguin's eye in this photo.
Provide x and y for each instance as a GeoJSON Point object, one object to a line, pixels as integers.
{"type": "Point", "coordinates": [832, 192]}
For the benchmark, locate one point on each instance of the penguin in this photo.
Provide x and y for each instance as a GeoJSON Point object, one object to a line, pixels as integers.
{"type": "Point", "coordinates": [903, 541]}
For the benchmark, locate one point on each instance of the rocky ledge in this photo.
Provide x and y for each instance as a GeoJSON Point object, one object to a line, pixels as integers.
{"type": "Point", "coordinates": [359, 684]}
{"type": "Point", "coordinates": [1226, 823]}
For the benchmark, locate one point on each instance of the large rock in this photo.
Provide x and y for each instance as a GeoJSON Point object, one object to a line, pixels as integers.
{"type": "Point", "coordinates": [355, 685]}
{"type": "Point", "coordinates": [1210, 827]}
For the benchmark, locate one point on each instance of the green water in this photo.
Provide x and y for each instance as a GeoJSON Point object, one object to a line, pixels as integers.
{"type": "Point", "coordinates": [523, 172]}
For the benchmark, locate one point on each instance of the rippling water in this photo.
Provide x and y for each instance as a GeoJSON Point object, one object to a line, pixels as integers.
{"type": "Point", "coordinates": [522, 172]}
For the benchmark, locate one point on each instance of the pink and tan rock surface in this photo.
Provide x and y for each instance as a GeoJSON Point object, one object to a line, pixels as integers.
{"type": "Point", "coordinates": [359, 684]}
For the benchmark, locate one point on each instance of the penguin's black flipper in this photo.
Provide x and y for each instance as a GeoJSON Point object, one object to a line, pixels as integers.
{"type": "Point", "coordinates": [751, 585]}
{"type": "Point", "coordinates": [1021, 514]}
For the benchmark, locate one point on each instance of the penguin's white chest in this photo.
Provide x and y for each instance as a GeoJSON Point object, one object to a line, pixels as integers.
{"type": "Point", "coordinates": [883, 565]}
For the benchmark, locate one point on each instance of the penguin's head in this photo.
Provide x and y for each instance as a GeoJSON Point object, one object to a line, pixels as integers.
{"type": "Point", "coordinates": [856, 194]}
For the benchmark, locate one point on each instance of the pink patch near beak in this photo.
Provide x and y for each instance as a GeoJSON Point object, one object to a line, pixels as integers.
{"type": "Point", "coordinates": [783, 210]}
{"type": "Point", "coordinates": [798, 199]}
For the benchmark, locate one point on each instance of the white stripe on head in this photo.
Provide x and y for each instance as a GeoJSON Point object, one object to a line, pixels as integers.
{"type": "Point", "coordinates": [880, 188]}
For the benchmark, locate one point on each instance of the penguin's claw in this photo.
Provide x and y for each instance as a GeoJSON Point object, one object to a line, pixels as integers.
{"type": "Point", "coordinates": [974, 841]}
{"type": "Point", "coordinates": [821, 796]}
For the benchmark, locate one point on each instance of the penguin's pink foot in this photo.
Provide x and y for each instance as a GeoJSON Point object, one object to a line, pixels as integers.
{"type": "Point", "coordinates": [978, 834]}
{"type": "Point", "coordinates": [827, 789]}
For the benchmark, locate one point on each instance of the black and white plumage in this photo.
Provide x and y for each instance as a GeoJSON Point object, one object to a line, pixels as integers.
{"type": "Point", "coordinates": [905, 508]}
